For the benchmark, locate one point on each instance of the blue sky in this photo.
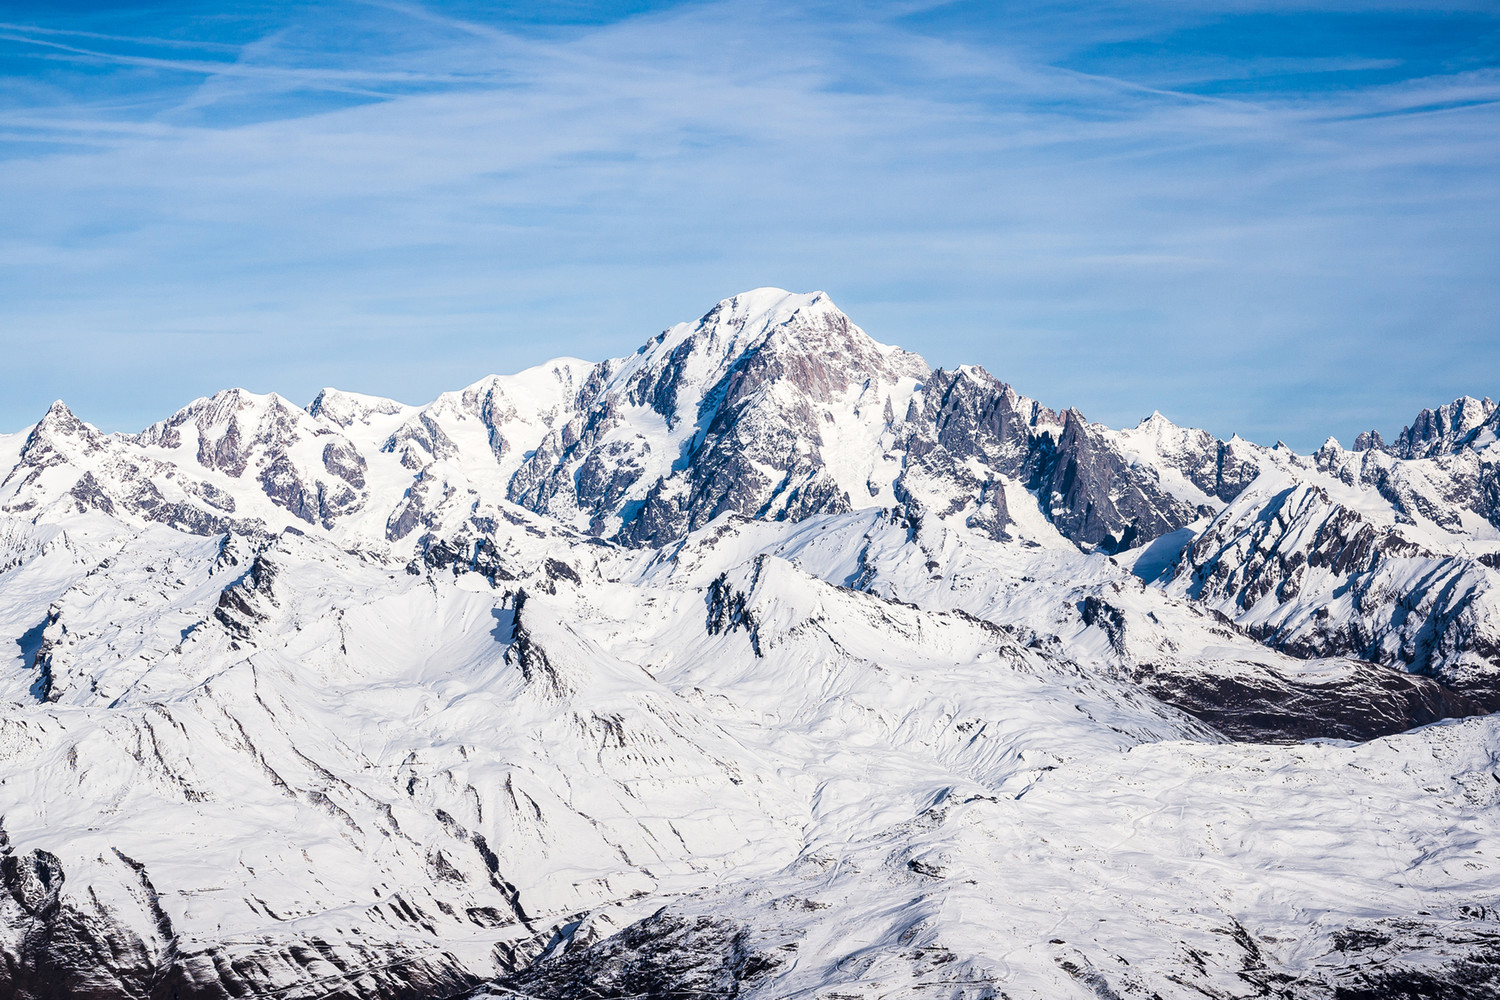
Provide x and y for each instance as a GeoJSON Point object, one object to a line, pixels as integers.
{"type": "Point", "coordinates": [1276, 219]}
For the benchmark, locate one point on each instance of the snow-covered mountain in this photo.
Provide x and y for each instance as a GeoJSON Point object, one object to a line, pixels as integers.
{"type": "Point", "coordinates": [763, 662]}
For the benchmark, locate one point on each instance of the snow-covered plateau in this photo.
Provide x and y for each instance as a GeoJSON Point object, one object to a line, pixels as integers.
{"type": "Point", "coordinates": [764, 662]}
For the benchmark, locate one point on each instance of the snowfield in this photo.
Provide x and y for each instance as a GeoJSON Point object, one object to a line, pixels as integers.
{"type": "Point", "coordinates": [764, 662]}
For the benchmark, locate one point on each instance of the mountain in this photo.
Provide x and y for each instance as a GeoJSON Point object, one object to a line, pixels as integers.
{"type": "Point", "coordinates": [766, 661]}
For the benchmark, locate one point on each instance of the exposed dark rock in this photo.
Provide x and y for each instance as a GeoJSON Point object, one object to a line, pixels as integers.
{"type": "Point", "coordinates": [527, 654]}
{"type": "Point", "coordinates": [1446, 429]}
{"type": "Point", "coordinates": [56, 437]}
{"type": "Point", "coordinates": [757, 428]}
{"type": "Point", "coordinates": [342, 460]}
{"type": "Point", "coordinates": [1096, 611]}
{"type": "Point", "coordinates": [148, 502]}
{"type": "Point", "coordinates": [557, 570]}
{"type": "Point", "coordinates": [243, 604]}
{"type": "Point", "coordinates": [226, 454]}
{"type": "Point", "coordinates": [1097, 499]}
{"type": "Point", "coordinates": [666, 956]}
{"type": "Point", "coordinates": [41, 660]}
{"type": "Point", "coordinates": [90, 494]}
{"type": "Point", "coordinates": [1437, 627]}
{"type": "Point", "coordinates": [464, 554]}
{"type": "Point", "coordinates": [282, 483]}
{"type": "Point", "coordinates": [727, 612]}
{"type": "Point", "coordinates": [420, 441]}
{"type": "Point", "coordinates": [1094, 494]}
{"type": "Point", "coordinates": [1261, 704]}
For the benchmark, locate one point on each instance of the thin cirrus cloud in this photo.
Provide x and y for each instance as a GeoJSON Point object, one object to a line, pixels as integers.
{"type": "Point", "coordinates": [1278, 220]}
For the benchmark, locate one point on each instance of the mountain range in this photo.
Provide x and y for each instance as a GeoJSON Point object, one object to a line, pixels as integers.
{"type": "Point", "coordinates": [766, 661]}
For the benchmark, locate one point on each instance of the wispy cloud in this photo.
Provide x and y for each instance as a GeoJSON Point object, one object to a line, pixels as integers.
{"type": "Point", "coordinates": [1120, 209]}
{"type": "Point", "coordinates": [26, 32]}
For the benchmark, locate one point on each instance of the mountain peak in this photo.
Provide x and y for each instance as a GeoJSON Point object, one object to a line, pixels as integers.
{"type": "Point", "coordinates": [770, 299]}
{"type": "Point", "coordinates": [797, 320]}
{"type": "Point", "coordinates": [59, 419]}
{"type": "Point", "coordinates": [1445, 429]}
{"type": "Point", "coordinates": [742, 320]}
{"type": "Point", "coordinates": [1157, 425]}
{"type": "Point", "coordinates": [59, 433]}
{"type": "Point", "coordinates": [814, 342]}
{"type": "Point", "coordinates": [346, 408]}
